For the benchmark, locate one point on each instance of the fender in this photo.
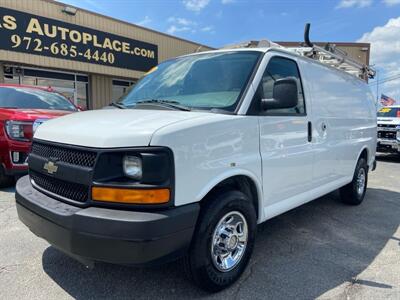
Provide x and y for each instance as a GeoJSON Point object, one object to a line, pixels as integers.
{"type": "Point", "coordinates": [369, 162]}
{"type": "Point", "coordinates": [231, 173]}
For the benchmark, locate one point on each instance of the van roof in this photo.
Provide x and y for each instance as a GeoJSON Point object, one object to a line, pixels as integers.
{"type": "Point", "coordinates": [280, 49]}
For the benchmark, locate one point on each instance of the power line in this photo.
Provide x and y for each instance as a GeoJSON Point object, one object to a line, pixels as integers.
{"type": "Point", "coordinates": [386, 79]}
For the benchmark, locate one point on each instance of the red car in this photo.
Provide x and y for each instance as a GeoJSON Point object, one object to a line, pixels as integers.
{"type": "Point", "coordinates": [22, 109]}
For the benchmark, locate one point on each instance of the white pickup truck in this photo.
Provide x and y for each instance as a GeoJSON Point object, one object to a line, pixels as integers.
{"type": "Point", "coordinates": [202, 149]}
{"type": "Point", "coordinates": [389, 129]}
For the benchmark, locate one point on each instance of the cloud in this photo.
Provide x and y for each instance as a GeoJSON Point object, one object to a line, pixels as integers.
{"type": "Point", "coordinates": [354, 3]}
{"type": "Point", "coordinates": [209, 29]}
{"type": "Point", "coordinates": [181, 25]}
{"type": "Point", "coordinates": [227, 1]}
{"type": "Point", "coordinates": [391, 2]}
{"type": "Point", "coordinates": [186, 25]}
{"type": "Point", "coordinates": [174, 29]}
{"type": "Point", "coordinates": [385, 54]}
{"type": "Point", "coordinates": [181, 21]}
{"type": "Point", "coordinates": [145, 21]}
{"type": "Point", "coordinates": [195, 5]}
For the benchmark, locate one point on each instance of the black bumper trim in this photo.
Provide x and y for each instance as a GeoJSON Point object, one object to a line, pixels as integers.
{"type": "Point", "coordinates": [102, 234]}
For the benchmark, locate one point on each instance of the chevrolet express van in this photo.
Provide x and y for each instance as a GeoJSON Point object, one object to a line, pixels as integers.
{"type": "Point", "coordinates": [202, 149]}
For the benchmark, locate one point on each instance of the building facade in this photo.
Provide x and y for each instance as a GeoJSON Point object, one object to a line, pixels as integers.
{"type": "Point", "coordinates": [90, 58]}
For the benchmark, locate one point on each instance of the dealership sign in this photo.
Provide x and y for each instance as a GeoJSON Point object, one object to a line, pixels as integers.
{"type": "Point", "coordinates": [23, 32]}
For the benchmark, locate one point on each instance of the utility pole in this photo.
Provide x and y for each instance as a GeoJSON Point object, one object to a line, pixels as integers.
{"type": "Point", "coordinates": [377, 85]}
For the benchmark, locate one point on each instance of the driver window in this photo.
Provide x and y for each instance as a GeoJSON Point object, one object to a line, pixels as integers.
{"type": "Point", "coordinates": [278, 68]}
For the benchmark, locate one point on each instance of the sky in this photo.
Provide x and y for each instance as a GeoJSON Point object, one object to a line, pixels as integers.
{"type": "Point", "coordinates": [220, 22]}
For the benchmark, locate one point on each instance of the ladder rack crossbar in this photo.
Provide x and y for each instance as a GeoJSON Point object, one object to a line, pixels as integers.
{"type": "Point", "coordinates": [329, 55]}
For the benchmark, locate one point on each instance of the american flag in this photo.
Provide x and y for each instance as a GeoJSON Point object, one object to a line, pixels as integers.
{"type": "Point", "coordinates": [387, 101]}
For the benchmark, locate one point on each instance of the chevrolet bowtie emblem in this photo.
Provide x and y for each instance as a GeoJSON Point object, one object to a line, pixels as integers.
{"type": "Point", "coordinates": [50, 167]}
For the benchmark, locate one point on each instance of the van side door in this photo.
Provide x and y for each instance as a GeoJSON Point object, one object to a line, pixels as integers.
{"type": "Point", "coordinates": [285, 146]}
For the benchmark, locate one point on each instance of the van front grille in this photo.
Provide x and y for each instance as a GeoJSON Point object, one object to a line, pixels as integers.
{"type": "Point", "coordinates": [69, 190]}
{"type": "Point", "coordinates": [389, 135]}
{"type": "Point", "coordinates": [76, 157]}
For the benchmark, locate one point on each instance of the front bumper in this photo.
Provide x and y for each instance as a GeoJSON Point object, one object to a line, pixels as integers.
{"type": "Point", "coordinates": [388, 145]}
{"type": "Point", "coordinates": [109, 235]}
{"type": "Point", "coordinates": [11, 168]}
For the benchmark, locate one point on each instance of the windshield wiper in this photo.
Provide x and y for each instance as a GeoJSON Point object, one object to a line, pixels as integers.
{"type": "Point", "coordinates": [115, 104]}
{"type": "Point", "coordinates": [167, 103]}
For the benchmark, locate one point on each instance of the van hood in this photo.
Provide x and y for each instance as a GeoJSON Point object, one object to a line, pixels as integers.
{"type": "Point", "coordinates": [110, 128]}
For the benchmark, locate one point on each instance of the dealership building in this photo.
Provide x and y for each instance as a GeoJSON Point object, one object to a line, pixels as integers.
{"type": "Point", "coordinates": [90, 58]}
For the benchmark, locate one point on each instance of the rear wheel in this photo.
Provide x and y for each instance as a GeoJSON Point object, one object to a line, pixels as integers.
{"type": "Point", "coordinates": [223, 241]}
{"type": "Point", "coordinates": [354, 192]}
{"type": "Point", "coordinates": [5, 181]}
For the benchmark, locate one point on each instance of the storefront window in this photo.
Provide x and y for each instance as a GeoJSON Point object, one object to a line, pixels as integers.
{"type": "Point", "coordinates": [119, 88]}
{"type": "Point", "coordinates": [82, 90]}
{"type": "Point", "coordinates": [9, 76]}
{"type": "Point", "coordinates": [72, 86]}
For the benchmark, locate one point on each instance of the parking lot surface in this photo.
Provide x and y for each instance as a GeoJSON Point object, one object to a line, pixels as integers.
{"type": "Point", "coordinates": [323, 249]}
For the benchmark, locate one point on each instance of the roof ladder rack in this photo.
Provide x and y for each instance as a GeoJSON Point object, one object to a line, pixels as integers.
{"type": "Point", "coordinates": [331, 55]}
{"type": "Point", "coordinates": [253, 44]}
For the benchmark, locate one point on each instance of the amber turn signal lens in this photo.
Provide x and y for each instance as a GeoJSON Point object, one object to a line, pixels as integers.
{"type": "Point", "coordinates": [131, 196]}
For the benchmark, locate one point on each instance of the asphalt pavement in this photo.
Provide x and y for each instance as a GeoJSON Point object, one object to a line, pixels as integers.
{"type": "Point", "coordinates": [323, 249]}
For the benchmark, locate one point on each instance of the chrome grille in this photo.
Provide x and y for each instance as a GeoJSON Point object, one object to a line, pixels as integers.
{"type": "Point", "coordinates": [389, 135]}
{"type": "Point", "coordinates": [387, 125]}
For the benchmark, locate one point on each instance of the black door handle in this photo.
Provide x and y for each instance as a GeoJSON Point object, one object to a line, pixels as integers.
{"type": "Point", "coordinates": [309, 131]}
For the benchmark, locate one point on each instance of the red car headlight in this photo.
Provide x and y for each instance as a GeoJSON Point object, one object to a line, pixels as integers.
{"type": "Point", "coordinates": [19, 130]}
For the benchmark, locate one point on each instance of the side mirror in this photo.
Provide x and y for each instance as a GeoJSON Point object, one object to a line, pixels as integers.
{"type": "Point", "coordinates": [285, 95]}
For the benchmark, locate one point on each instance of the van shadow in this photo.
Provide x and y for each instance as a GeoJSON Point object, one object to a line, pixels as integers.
{"type": "Point", "coordinates": [8, 190]}
{"type": "Point", "coordinates": [301, 254]}
{"type": "Point", "coordinates": [395, 158]}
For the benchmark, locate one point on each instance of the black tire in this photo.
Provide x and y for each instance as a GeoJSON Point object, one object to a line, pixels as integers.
{"type": "Point", "coordinates": [199, 264]}
{"type": "Point", "coordinates": [352, 193]}
{"type": "Point", "coordinates": [5, 181]}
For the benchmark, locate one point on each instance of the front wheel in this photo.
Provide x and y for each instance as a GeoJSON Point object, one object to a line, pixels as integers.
{"type": "Point", "coordinates": [223, 241]}
{"type": "Point", "coordinates": [354, 192]}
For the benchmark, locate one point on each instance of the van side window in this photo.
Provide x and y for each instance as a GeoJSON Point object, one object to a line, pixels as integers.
{"type": "Point", "coordinates": [277, 68]}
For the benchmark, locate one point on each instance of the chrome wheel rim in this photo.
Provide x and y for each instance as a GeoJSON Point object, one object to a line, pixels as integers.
{"type": "Point", "coordinates": [229, 241]}
{"type": "Point", "coordinates": [361, 181]}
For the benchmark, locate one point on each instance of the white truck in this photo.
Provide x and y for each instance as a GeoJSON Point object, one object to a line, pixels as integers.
{"type": "Point", "coordinates": [202, 149]}
{"type": "Point", "coordinates": [389, 129]}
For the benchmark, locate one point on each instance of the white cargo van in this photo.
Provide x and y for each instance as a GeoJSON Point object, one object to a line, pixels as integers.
{"type": "Point", "coordinates": [202, 149]}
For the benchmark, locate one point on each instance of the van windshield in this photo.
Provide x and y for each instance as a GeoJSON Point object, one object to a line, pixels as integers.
{"type": "Point", "coordinates": [390, 112]}
{"type": "Point", "coordinates": [203, 81]}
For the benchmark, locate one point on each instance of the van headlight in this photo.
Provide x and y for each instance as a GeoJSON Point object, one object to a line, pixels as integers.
{"type": "Point", "coordinates": [132, 166]}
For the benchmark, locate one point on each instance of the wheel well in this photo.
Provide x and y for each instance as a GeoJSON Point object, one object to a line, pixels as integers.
{"type": "Point", "coordinates": [364, 154]}
{"type": "Point", "coordinates": [240, 183]}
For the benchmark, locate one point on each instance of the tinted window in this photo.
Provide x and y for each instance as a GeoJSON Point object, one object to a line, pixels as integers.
{"type": "Point", "coordinates": [202, 81]}
{"type": "Point", "coordinates": [279, 68]}
{"type": "Point", "coordinates": [15, 97]}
